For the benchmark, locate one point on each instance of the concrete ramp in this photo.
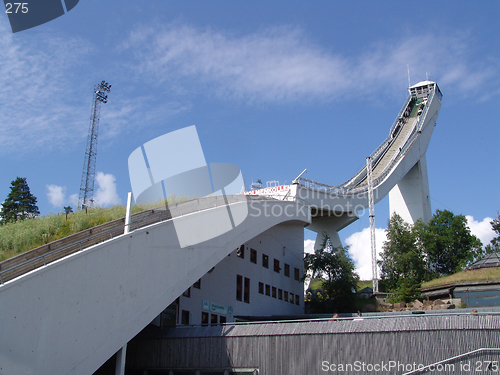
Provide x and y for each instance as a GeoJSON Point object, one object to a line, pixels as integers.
{"type": "Point", "coordinates": [72, 315]}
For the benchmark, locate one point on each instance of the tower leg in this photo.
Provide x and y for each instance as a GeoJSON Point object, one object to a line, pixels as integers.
{"type": "Point", "coordinates": [410, 197]}
{"type": "Point", "coordinates": [334, 239]}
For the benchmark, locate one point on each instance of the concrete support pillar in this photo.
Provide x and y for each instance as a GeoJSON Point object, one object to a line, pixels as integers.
{"type": "Point", "coordinates": [120, 361]}
{"type": "Point", "coordinates": [410, 198]}
{"type": "Point", "coordinates": [330, 225]}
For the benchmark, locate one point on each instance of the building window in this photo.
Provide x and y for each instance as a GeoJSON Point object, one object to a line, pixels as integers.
{"type": "Point", "coordinates": [291, 298]}
{"type": "Point", "coordinates": [253, 256]}
{"type": "Point", "coordinates": [261, 288]}
{"type": "Point", "coordinates": [265, 261]}
{"type": "Point", "coordinates": [185, 317]}
{"type": "Point", "coordinates": [204, 318]}
{"type": "Point", "coordinates": [213, 319]}
{"type": "Point", "coordinates": [286, 296]}
{"type": "Point", "coordinates": [197, 284]}
{"type": "Point", "coordinates": [277, 266]}
{"type": "Point", "coordinates": [222, 319]}
{"type": "Point", "coordinates": [239, 287]}
{"type": "Point", "coordinates": [274, 292]}
{"type": "Point", "coordinates": [287, 270]}
{"type": "Point", "coordinates": [297, 274]}
{"type": "Point", "coordinates": [169, 316]}
{"type": "Point", "coordinates": [246, 295]}
{"type": "Point", "coordinates": [280, 294]}
{"type": "Point", "coordinates": [240, 252]}
{"type": "Point", "coordinates": [187, 293]}
{"type": "Point", "coordinates": [268, 290]}
{"type": "Point", "coordinates": [297, 301]}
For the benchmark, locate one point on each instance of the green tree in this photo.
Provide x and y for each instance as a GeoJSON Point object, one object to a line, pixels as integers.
{"type": "Point", "coordinates": [20, 203]}
{"type": "Point", "coordinates": [337, 270]}
{"type": "Point", "coordinates": [494, 245]}
{"type": "Point", "coordinates": [403, 266]}
{"type": "Point", "coordinates": [449, 245]}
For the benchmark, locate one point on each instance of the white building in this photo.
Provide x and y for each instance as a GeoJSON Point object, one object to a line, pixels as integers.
{"type": "Point", "coordinates": [262, 277]}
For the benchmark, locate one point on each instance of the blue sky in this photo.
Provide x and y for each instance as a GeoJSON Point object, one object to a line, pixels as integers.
{"type": "Point", "coordinates": [273, 87]}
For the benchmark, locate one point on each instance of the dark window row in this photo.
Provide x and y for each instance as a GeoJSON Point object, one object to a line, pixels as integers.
{"type": "Point", "coordinates": [240, 252]}
{"type": "Point", "coordinates": [213, 319]}
{"type": "Point", "coordinates": [274, 292]}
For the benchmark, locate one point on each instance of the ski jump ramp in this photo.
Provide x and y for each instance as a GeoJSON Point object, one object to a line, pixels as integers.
{"type": "Point", "coordinates": [71, 315]}
{"type": "Point", "coordinates": [398, 168]}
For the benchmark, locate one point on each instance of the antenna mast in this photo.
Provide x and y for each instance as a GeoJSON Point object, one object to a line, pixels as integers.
{"type": "Point", "coordinates": [86, 198]}
{"type": "Point", "coordinates": [372, 223]}
{"type": "Point", "coordinates": [408, 66]}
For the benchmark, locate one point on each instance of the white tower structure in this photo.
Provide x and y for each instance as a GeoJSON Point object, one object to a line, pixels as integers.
{"type": "Point", "coordinates": [397, 167]}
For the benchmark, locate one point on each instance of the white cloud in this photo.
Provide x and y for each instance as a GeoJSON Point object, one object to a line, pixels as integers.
{"type": "Point", "coordinates": [283, 64]}
{"type": "Point", "coordinates": [360, 250]}
{"type": "Point", "coordinates": [309, 246]}
{"type": "Point", "coordinates": [73, 200]}
{"type": "Point", "coordinates": [106, 194]}
{"type": "Point", "coordinates": [481, 229]}
{"type": "Point", "coordinates": [56, 195]}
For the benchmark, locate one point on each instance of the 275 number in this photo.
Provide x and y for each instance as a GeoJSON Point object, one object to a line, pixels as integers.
{"type": "Point", "coordinates": [23, 6]}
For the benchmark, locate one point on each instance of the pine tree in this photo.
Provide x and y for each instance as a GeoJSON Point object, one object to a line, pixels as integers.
{"type": "Point", "coordinates": [20, 203]}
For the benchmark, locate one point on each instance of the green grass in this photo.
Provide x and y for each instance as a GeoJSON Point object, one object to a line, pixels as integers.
{"type": "Point", "coordinates": [316, 284]}
{"type": "Point", "coordinates": [24, 235]}
{"type": "Point", "coordinates": [362, 284]}
{"type": "Point", "coordinates": [482, 274]}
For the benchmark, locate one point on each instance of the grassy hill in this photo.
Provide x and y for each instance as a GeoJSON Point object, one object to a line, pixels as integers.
{"type": "Point", "coordinates": [24, 235]}
{"type": "Point", "coordinates": [492, 273]}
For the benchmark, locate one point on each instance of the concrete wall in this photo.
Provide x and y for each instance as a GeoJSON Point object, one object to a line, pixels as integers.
{"type": "Point", "coordinates": [70, 316]}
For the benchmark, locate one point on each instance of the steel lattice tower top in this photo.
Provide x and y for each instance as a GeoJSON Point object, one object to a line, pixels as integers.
{"type": "Point", "coordinates": [86, 198]}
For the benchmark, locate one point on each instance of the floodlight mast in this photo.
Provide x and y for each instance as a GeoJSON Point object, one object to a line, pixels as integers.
{"type": "Point", "coordinates": [86, 198]}
{"type": "Point", "coordinates": [371, 205]}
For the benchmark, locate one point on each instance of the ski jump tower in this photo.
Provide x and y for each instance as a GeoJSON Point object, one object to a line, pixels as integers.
{"type": "Point", "coordinates": [398, 168]}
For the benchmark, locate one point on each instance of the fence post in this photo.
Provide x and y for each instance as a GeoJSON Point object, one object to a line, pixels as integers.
{"type": "Point", "coordinates": [127, 214]}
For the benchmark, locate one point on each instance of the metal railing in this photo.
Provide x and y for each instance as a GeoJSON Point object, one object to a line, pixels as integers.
{"type": "Point", "coordinates": [345, 317]}
{"type": "Point", "coordinates": [435, 365]}
{"type": "Point", "coordinates": [382, 149]}
{"type": "Point", "coordinates": [169, 212]}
